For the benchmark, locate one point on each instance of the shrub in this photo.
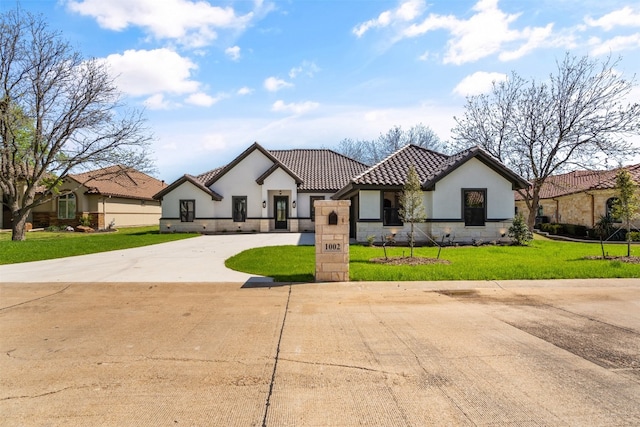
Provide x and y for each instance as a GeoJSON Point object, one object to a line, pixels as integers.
{"type": "Point", "coordinates": [519, 232]}
{"type": "Point", "coordinates": [634, 236]}
{"type": "Point", "coordinates": [85, 220]}
{"type": "Point", "coordinates": [551, 228]}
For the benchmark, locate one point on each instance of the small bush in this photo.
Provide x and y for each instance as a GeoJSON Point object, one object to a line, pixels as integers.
{"type": "Point", "coordinates": [634, 236]}
{"type": "Point", "coordinates": [551, 228]}
{"type": "Point", "coordinates": [519, 232]}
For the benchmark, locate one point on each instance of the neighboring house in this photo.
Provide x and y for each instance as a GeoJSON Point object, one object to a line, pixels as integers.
{"type": "Point", "coordinates": [112, 196]}
{"type": "Point", "coordinates": [467, 196]}
{"type": "Point", "coordinates": [260, 190]}
{"type": "Point", "coordinates": [578, 197]}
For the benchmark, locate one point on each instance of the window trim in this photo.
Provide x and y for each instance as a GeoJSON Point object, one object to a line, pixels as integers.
{"type": "Point", "coordinates": [189, 215]}
{"type": "Point", "coordinates": [484, 207]}
{"type": "Point", "coordinates": [65, 197]}
{"type": "Point", "coordinates": [312, 211]}
{"type": "Point", "coordinates": [243, 216]}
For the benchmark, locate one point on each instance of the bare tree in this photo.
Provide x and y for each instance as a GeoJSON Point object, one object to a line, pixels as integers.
{"type": "Point", "coordinates": [372, 152]}
{"type": "Point", "coordinates": [58, 113]}
{"type": "Point", "coordinates": [575, 119]}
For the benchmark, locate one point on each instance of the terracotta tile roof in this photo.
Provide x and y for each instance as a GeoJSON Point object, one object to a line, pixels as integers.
{"type": "Point", "coordinates": [319, 169]}
{"type": "Point", "coordinates": [198, 180]}
{"type": "Point", "coordinates": [582, 180]}
{"type": "Point", "coordinates": [119, 181]}
{"type": "Point", "coordinates": [430, 166]}
{"type": "Point", "coordinates": [392, 171]}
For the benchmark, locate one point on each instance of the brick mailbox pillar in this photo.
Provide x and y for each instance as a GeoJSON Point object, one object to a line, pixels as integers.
{"type": "Point", "coordinates": [332, 240]}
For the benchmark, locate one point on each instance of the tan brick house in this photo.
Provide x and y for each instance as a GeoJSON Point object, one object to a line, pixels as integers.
{"type": "Point", "coordinates": [578, 197]}
{"type": "Point", "coordinates": [114, 195]}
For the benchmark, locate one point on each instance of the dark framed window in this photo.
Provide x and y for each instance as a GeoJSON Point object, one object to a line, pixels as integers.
{"type": "Point", "coordinates": [313, 208]}
{"type": "Point", "coordinates": [239, 208]}
{"type": "Point", "coordinates": [67, 206]}
{"type": "Point", "coordinates": [474, 206]}
{"type": "Point", "coordinates": [187, 210]}
{"type": "Point", "coordinates": [609, 207]}
{"type": "Point", "coordinates": [391, 208]}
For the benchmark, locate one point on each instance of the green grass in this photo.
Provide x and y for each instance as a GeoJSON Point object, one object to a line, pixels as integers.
{"type": "Point", "coordinates": [543, 259]}
{"type": "Point", "coordinates": [43, 245]}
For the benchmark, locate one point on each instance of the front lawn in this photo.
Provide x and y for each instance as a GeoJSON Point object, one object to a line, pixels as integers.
{"type": "Point", "coordinates": [41, 245]}
{"type": "Point", "coordinates": [542, 259]}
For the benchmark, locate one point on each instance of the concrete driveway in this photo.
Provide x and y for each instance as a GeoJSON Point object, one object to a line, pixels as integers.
{"type": "Point", "coordinates": [199, 259]}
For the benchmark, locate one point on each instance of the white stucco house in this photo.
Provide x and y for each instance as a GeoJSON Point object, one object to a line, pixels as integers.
{"type": "Point", "coordinates": [467, 196]}
{"type": "Point", "coordinates": [260, 190]}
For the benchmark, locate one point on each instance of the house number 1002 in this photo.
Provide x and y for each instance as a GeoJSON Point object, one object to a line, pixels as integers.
{"type": "Point", "coordinates": [332, 247]}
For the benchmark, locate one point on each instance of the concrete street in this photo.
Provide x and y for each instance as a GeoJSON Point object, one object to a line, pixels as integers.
{"type": "Point", "coordinates": [188, 348]}
{"type": "Point", "coordinates": [405, 354]}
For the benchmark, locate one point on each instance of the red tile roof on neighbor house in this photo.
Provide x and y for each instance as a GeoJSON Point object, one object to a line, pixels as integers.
{"type": "Point", "coordinates": [119, 181]}
{"type": "Point", "coordinates": [582, 180]}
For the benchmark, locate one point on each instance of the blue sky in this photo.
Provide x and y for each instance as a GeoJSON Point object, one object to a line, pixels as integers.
{"type": "Point", "coordinates": [215, 76]}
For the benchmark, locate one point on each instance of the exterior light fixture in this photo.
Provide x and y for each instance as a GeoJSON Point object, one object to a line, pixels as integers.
{"type": "Point", "coordinates": [264, 203]}
{"type": "Point", "coordinates": [503, 232]}
{"type": "Point", "coordinates": [293, 204]}
{"type": "Point", "coordinates": [447, 231]}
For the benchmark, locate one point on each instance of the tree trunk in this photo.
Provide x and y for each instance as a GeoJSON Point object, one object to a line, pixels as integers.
{"type": "Point", "coordinates": [18, 224]}
{"type": "Point", "coordinates": [411, 242]}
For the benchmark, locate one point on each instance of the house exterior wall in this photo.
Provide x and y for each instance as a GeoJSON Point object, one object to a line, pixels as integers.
{"type": "Point", "coordinates": [102, 211]}
{"type": "Point", "coordinates": [447, 197]}
{"type": "Point", "coordinates": [369, 204]}
{"type": "Point", "coordinates": [583, 208]}
{"type": "Point", "coordinates": [444, 210]}
{"type": "Point", "coordinates": [187, 191]}
{"type": "Point", "coordinates": [241, 181]}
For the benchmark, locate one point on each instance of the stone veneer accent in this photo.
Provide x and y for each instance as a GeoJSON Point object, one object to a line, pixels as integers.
{"type": "Point", "coordinates": [332, 241]}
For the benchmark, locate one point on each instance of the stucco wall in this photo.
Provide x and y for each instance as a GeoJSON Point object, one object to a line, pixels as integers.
{"type": "Point", "coordinates": [205, 207]}
{"type": "Point", "coordinates": [241, 181]}
{"type": "Point", "coordinates": [447, 197]}
{"type": "Point", "coordinates": [370, 207]}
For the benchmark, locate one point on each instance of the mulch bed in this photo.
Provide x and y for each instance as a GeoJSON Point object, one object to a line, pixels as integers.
{"type": "Point", "coordinates": [409, 261]}
{"type": "Point", "coordinates": [627, 259]}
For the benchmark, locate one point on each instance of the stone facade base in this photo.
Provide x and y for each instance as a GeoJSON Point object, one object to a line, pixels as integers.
{"type": "Point", "coordinates": [429, 231]}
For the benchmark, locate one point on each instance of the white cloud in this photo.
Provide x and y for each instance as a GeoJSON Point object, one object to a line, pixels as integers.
{"type": "Point", "coordinates": [191, 23]}
{"type": "Point", "coordinates": [407, 11]}
{"type": "Point", "coordinates": [245, 91]}
{"type": "Point", "coordinates": [201, 99]}
{"type": "Point", "coordinates": [307, 68]}
{"type": "Point", "coordinates": [233, 52]}
{"type": "Point", "coordinates": [147, 72]}
{"type": "Point", "coordinates": [157, 102]}
{"type": "Point", "coordinates": [478, 83]}
{"type": "Point", "coordinates": [615, 44]}
{"type": "Point", "coordinates": [625, 17]}
{"type": "Point", "coordinates": [487, 32]}
{"type": "Point", "coordinates": [274, 84]}
{"type": "Point", "coordinates": [294, 108]}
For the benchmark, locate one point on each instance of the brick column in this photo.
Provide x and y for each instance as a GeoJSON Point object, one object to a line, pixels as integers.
{"type": "Point", "coordinates": [332, 240]}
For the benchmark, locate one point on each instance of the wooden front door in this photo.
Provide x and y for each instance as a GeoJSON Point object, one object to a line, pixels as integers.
{"type": "Point", "coordinates": [281, 214]}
